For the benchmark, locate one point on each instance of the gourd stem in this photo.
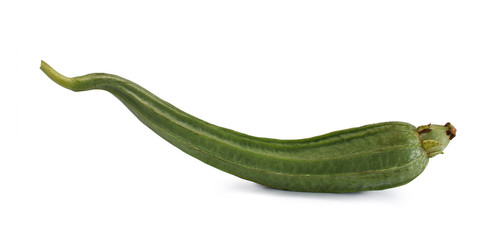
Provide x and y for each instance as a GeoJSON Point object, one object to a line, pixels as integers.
{"type": "Point", "coordinates": [81, 83]}
{"type": "Point", "coordinates": [60, 79]}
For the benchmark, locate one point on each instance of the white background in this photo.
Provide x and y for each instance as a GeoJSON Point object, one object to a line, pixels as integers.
{"type": "Point", "coordinates": [81, 166]}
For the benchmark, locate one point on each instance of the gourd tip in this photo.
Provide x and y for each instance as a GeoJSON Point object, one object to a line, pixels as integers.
{"type": "Point", "coordinates": [435, 138]}
{"type": "Point", "coordinates": [60, 79]}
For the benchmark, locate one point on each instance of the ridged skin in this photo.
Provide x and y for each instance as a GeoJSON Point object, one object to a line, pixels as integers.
{"type": "Point", "coordinates": [371, 157]}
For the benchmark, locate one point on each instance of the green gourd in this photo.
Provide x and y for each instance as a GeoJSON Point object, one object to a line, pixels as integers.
{"type": "Point", "coordinates": [371, 157]}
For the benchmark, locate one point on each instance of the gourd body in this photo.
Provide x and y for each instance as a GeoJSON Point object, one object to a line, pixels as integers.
{"type": "Point", "coordinates": [371, 157]}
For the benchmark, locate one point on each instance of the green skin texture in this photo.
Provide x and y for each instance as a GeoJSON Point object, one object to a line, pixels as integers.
{"type": "Point", "coordinates": [372, 157]}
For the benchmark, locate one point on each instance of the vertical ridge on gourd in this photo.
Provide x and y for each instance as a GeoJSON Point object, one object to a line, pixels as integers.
{"type": "Point", "coordinates": [371, 157]}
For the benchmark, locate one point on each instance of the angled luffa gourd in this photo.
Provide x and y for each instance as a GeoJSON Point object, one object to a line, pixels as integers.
{"type": "Point", "coordinates": [371, 157]}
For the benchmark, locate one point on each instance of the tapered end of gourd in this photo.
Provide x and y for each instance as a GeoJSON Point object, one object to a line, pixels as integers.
{"type": "Point", "coordinates": [60, 79]}
{"type": "Point", "coordinates": [81, 83]}
{"type": "Point", "coordinates": [435, 138]}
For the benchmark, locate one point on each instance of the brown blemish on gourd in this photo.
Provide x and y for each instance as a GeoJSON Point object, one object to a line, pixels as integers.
{"type": "Point", "coordinates": [425, 129]}
{"type": "Point", "coordinates": [451, 132]}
